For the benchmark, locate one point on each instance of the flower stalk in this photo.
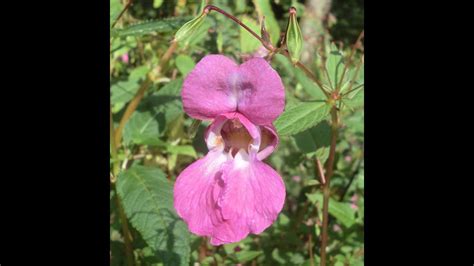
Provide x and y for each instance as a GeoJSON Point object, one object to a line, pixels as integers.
{"type": "Point", "coordinates": [326, 185]}
{"type": "Point", "coordinates": [123, 219]}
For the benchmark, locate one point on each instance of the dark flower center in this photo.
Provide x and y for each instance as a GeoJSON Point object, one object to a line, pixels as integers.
{"type": "Point", "coordinates": [236, 137]}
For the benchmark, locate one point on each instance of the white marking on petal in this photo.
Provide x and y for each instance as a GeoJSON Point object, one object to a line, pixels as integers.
{"type": "Point", "coordinates": [241, 159]}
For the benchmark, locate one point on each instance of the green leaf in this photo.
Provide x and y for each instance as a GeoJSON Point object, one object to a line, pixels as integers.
{"type": "Point", "coordinates": [138, 73]}
{"type": "Point", "coordinates": [264, 8]}
{"type": "Point", "coordinates": [313, 197]}
{"type": "Point", "coordinates": [247, 255]}
{"type": "Point", "coordinates": [248, 43]}
{"type": "Point", "coordinates": [185, 64]}
{"type": "Point", "coordinates": [142, 128]}
{"type": "Point", "coordinates": [166, 102]}
{"type": "Point", "coordinates": [182, 150]}
{"type": "Point", "coordinates": [301, 116]}
{"type": "Point", "coordinates": [123, 91]}
{"type": "Point", "coordinates": [294, 72]}
{"type": "Point", "coordinates": [311, 182]}
{"type": "Point", "coordinates": [115, 9]}
{"type": "Point", "coordinates": [278, 257]}
{"type": "Point", "coordinates": [157, 3]}
{"type": "Point", "coordinates": [308, 85]}
{"type": "Point", "coordinates": [150, 27]}
{"type": "Point", "coordinates": [334, 66]}
{"type": "Point", "coordinates": [315, 140]}
{"type": "Point", "coordinates": [340, 210]}
{"type": "Point", "coordinates": [147, 198]}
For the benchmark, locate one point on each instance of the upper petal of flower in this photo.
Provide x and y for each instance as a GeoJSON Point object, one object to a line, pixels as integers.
{"type": "Point", "coordinates": [262, 95]}
{"type": "Point", "coordinates": [217, 85]}
{"type": "Point", "coordinates": [207, 91]}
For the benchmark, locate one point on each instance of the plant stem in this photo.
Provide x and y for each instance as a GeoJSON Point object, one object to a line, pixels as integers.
{"type": "Point", "coordinates": [310, 248]}
{"type": "Point", "coordinates": [129, 3]}
{"type": "Point", "coordinates": [123, 218]}
{"type": "Point", "coordinates": [326, 187]}
{"type": "Point", "coordinates": [320, 171]}
{"type": "Point", "coordinates": [125, 231]}
{"type": "Point", "coordinates": [132, 106]}
{"type": "Point", "coordinates": [113, 148]}
{"type": "Point", "coordinates": [308, 72]}
{"type": "Point", "coordinates": [267, 45]}
{"type": "Point", "coordinates": [346, 66]}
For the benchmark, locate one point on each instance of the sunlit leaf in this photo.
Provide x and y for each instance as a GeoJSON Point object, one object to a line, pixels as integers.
{"type": "Point", "coordinates": [147, 198]}
{"type": "Point", "coordinates": [301, 116]}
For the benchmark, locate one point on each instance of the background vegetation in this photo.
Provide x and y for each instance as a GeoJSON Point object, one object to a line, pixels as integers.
{"type": "Point", "coordinates": [153, 140]}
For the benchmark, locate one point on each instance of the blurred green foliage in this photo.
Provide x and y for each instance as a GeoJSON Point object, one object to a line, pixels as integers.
{"type": "Point", "coordinates": [157, 144]}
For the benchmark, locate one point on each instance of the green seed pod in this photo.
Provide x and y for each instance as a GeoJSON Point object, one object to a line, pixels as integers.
{"type": "Point", "coordinates": [187, 31]}
{"type": "Point", "coordinates": [294, 37]}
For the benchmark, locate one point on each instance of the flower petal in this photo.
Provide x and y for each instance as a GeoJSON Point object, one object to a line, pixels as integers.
{"type": "Point", "coordinates": [262, 95]}
{"type": "Point", "coordinates": [269, 141]}
{"type": "Point", "coordinates": [207, 91]}
{"type": "Point", "coordinates": [213, 132]}
{"type": "Point", "coordinates": [252, 196]}
{"type": "Point", "coordinates": [196, 191]}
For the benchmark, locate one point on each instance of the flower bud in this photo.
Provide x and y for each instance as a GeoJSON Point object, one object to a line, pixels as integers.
{"type": "Point", "coordinates": [294, 37]}
{"type": "Point", "coordinates": [187, 31]}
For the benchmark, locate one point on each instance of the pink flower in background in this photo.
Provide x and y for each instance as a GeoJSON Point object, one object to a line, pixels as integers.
{"type": "Point", "coordinates": [336, 228]}
{"type": "Point", "coordinates": [231, 193]}
{"type": "Point", "coordinates": [354, 200]}
{"type": "Point", "coordinates": [296, 178]}
{"type": "Point", "coordinates": [125, 58]}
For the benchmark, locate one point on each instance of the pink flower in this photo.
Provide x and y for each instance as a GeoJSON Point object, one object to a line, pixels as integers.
{"type": "Point", "coordinates": [296, 178]}
{"type": "Point", "coordinates": [231, 193]}
{"type": "Point", "coordinates": [354, 200]}
{"type": "Point", "coordinates": [125, 58]}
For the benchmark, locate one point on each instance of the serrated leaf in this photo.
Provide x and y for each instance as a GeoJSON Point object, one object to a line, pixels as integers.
{"type": "Point", "coordinates": [247, 255]}
{"type": "Point", "coordinates": [355, 99]}
{"type": "Point", "coordinates": [147, 198]}
{"type": "Point", "coordinates": [301, 116]}
{"type": "Point", "coordinates": [166, 102]}
{"type": "Point", "coordinates": [150, 27]}
{"type": "Point", "coordinates": [142, 128]}
{"type": "Point", "coordinates": [315, 140]}
{"type": "Point", "coordinates": [123, 91]}
{"type": "Point", "coordinates": [185, 64]}
{"type": "Point", "coordinates": [340, 210]}
{"type": "Point", "coordinates": [334, 66]}
{"type": "Point", "coordinates": [248, 43]}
